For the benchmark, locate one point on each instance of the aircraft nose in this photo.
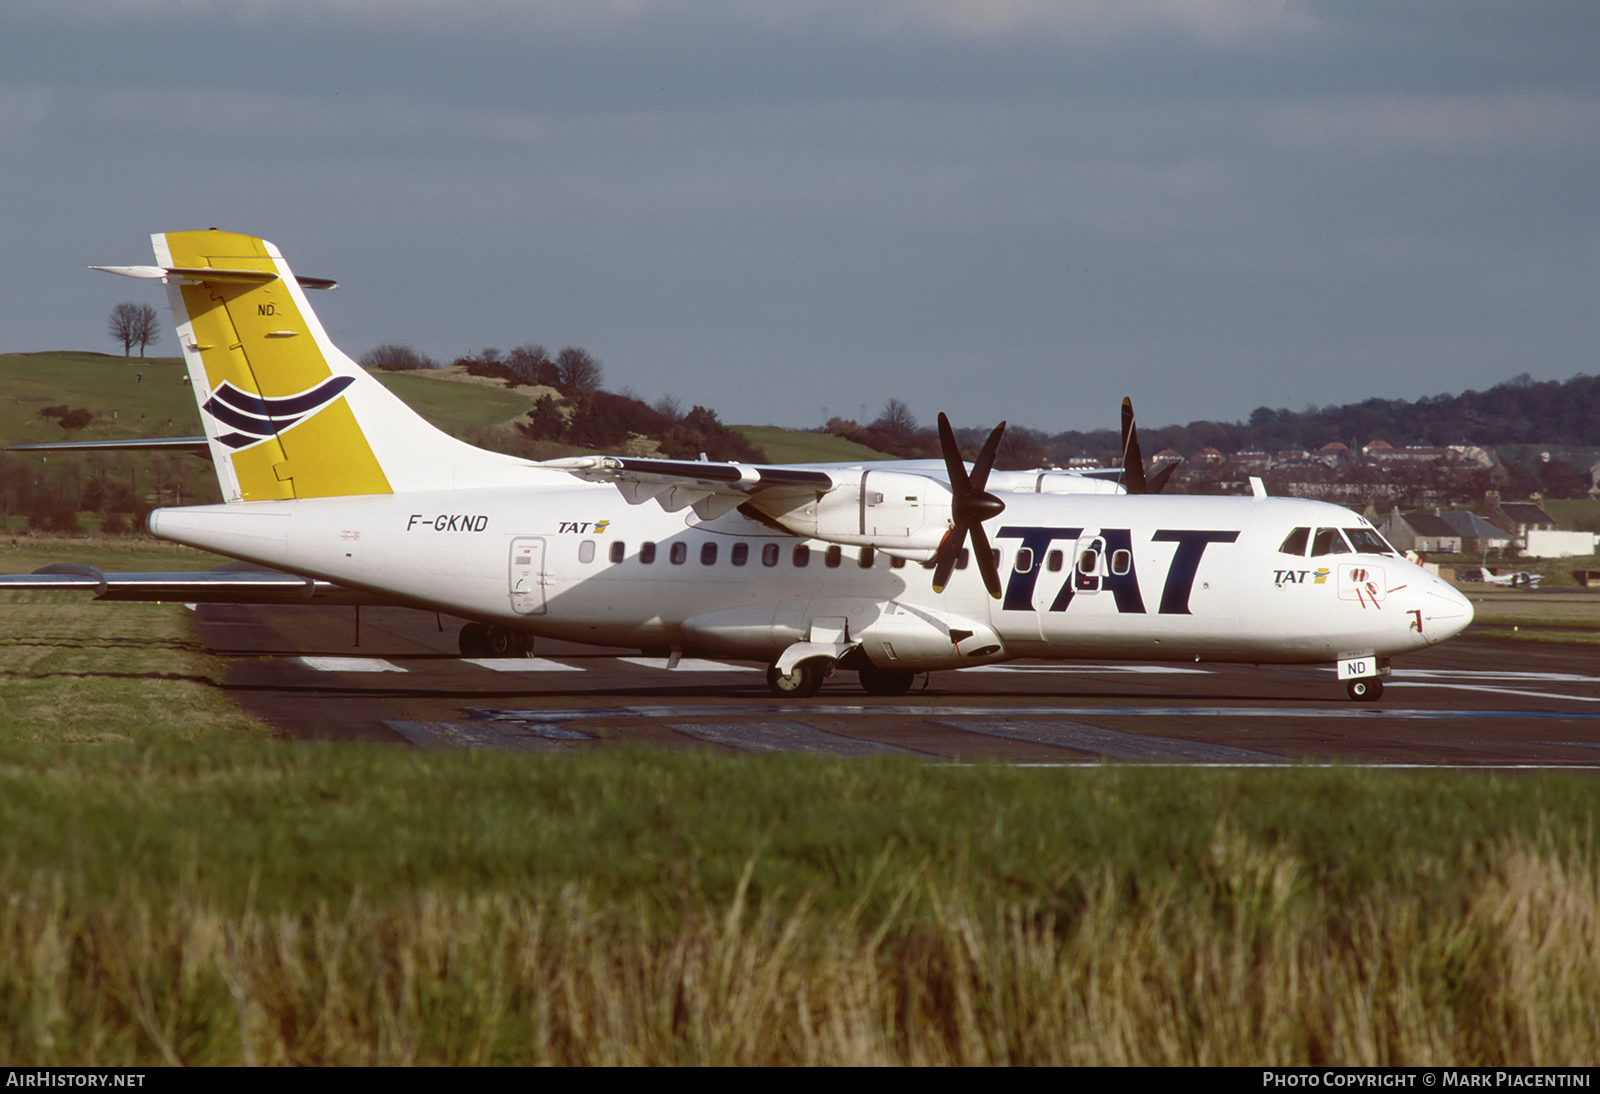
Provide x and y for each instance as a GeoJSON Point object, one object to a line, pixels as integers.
{"type": "Point", "coordinates": [1445, 611]}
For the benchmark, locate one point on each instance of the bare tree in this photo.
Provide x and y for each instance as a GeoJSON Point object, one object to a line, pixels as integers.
{"type": "Point", "coordinates": [132, 323]}
{"type": "Point", "coordinates": [531, 361]}
{"type": "Point", "coordinates": [576, 369]}
{"type": "Point", "coordinates": [896, 420]}
{"type": "Point", "coordinates": [146, 332]}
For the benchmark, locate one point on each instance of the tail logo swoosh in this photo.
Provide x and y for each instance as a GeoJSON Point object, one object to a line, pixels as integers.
{"type": "Point", "coordinates": [252, 418]}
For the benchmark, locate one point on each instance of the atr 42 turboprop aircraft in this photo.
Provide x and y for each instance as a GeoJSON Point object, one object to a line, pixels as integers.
{"type": "Point", "coordinates": [350, 497]}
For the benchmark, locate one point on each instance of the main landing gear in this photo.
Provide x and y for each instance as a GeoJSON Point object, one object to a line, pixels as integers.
{"type": "Point", "coordinates": [481, 640]}
{"type": "Point", "coordinates": [876, 681]}
{"type": "Point", "coordinates": [806, 677]}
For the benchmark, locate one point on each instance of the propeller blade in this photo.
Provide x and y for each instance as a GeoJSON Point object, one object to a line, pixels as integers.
{"type": "Point", "coordinates": [985, 460]}
{"type": "Point", "coordinates": [1132, 462]}
{"type": "Point", "coordinates": [985, 556]}
{"type": "Point", "coordinates": [945, 560]}
{"type": "Point", "coordinates": [953, 464]}
{"type": "Point", "coordinates": [1159, 480]}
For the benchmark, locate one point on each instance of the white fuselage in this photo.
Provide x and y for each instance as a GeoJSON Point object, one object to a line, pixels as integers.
{"type": "Point", "coordinates": [1167, 577]}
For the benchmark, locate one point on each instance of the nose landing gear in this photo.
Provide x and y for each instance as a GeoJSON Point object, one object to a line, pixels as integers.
{"type": "Point", "coordinates": [800, 682]}
{"type": "Point", "coordinates": [1365, 689]}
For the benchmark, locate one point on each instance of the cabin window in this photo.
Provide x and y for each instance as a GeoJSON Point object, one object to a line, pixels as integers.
{"type": "Point", "coordinates": [586, 551]}
{"type": "Point", "coordinates": [802, 556]}
{"type": "Point", "coordinates": [708, 554]}
{"type": "Point", "coordinates": [1368, 542]}
{"type": "Point", "coordinates": [679, 553]}
{"type": "Point", "coordinates": [647, 553]}
{"type": "Point", "coordinates": [865, 557]}
{"type": "Point", "coordinates": [994, 554]}
{"type": "Point", "coordinates": [740, 554]}
{"type": "Point", "coordinates": [1024, 560]}
{"type": "Point", "coordinates": [832, 556]}
{"type": "Point", "coordinates": [1089, 561]}
{"type": "Point", "coordinates": [1121, 561]}
{"type": "Point", "coordinates": [769, 554]}
{"type": "Point", "coordinates": [1328, 541]}
{"type": "Point", "coordinates": [1053, 561]}
{"type": "Point", "coordinates": [1295, 542]}
{"type": "Point", "coordinates": [619, 551]}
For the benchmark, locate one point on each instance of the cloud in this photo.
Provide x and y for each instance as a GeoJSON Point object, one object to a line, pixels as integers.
{"type": "Point", "coordinates": [1207, 20]}
{"type": "Point", "coordinates": [1493, 123]}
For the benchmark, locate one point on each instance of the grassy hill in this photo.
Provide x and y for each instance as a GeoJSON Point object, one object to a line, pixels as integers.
{"type": "Point", "coordinates": [138, 397]}
{"type": "Point", "coordinates": [130, 396]}
{"type": "Point", "coordinates": [797, 446]}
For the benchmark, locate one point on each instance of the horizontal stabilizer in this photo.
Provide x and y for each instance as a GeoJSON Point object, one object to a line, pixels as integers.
{"type": "Point", "coordinates": [210, 273]}
{"type": "Point", "coordinates": [229, 585]}
{"type": "Point", "coordinates": [195, 446]}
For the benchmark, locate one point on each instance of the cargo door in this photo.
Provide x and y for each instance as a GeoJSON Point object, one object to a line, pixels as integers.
{"type": "Point", "coordinates": [527, 575]}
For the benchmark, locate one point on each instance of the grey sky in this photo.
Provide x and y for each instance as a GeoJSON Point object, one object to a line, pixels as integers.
{"type": "Point", "coordinates": [1006, 209]}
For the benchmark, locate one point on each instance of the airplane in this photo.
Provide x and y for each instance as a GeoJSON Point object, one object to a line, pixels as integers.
{"type": "Point", "coordinates": [337, 492]}
{"type": "Point", "coordinates": [1518, 579]}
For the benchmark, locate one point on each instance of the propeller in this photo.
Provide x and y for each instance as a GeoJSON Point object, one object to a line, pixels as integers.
{"type": "Point", "coordinates": [970, 507]}
{"type": "Point", "coordinates": [1132, 462]}
{"type": "Point", "coordinates": [1133, 478]}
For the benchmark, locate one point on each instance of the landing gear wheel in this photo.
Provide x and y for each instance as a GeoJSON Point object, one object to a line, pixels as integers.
{"type": "Point", "coordinates": [508, 643]}
{"type": "Point", "coordinates": [1365, 689]}
{"type": "Point", "coordinates": [474, 640]}
{"type": "Point", "coordinates": [801, 683]}
{"type": "Point", "coordinates": [876, 681]}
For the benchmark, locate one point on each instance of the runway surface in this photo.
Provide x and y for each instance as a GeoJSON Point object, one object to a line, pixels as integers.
{"type": "Point", "coordinates": [1473, 702]}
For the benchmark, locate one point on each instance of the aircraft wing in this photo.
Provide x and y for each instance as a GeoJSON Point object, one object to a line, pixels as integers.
{"type": "Point", "coordinates": [711, 489]}
{"type": "Point", "coordinates": [233, 584]}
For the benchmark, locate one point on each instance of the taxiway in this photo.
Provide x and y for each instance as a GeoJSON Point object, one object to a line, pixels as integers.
{"type": "Point", "coordinates": [1473, 702]}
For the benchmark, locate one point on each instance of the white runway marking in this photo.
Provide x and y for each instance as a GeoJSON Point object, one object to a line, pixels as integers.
{"type": "Point", "coordinates": [1497, 691]}
{"type": "Point", "coordinates": [521, 664]}
{"type": "Point", "coordinates": [1151, 670]}
{"type": "Point", "coordinates": [687, 664]}
{"type": "Point", "coordinates": [349, 664]}
{"type": "Point", "coordinates": [1472, 674]}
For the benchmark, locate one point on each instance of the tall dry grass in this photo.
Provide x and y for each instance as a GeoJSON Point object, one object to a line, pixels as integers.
{"type": "Point", "coordinates": [1250, 968]}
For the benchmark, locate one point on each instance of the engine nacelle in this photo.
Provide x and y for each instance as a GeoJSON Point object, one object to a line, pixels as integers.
{"type": "Point", "coordinates": [898, 513]}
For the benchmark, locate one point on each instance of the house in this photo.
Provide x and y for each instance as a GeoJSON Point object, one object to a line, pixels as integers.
{"type": "Point", "coordinates": [1420, 532]}
{"type": "Point", "coordinates": [1334, 452]}
{"type": "Point", "coordinates": [1478, 536]}
{"type": "Point", "coordinates": [1516, 517]}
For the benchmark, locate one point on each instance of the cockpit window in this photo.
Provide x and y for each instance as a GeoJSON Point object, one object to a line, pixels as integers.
{"type": "Point", "coordinates": [1295, 542]}
{"type": "Point", "coordinates": [1328, 541]}
{"type": "Point", "coordinates": [1368, 542]}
